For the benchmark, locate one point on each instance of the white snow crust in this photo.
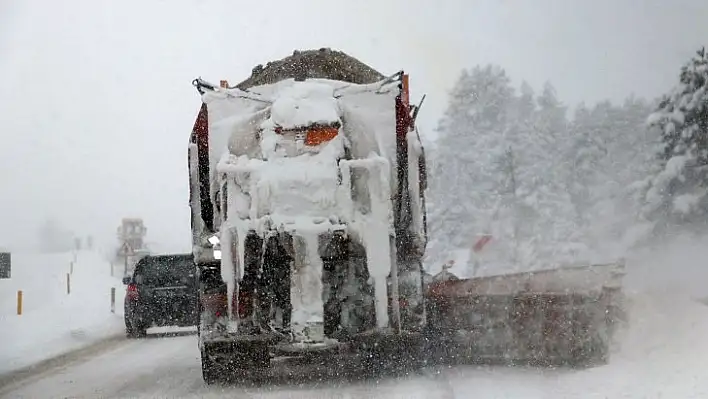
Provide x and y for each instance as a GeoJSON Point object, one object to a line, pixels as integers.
{"type": "Point", "coordinates": [275, 184]}
{"type": "Point", "coordinates": [54, 323]}
{"type": "Point", "coordinates": [305, 104]}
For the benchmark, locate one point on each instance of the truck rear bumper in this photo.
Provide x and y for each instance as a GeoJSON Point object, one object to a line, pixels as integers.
{"type": "Point", "coordinates": [381, 342]}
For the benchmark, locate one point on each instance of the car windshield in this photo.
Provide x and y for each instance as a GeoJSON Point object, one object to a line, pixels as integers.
{"type": "Point", "coordinates": [167, 270]}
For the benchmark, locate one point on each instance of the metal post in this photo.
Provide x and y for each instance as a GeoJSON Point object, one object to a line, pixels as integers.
{"type": "Point", "coordinates": [113, 299]}
{"type": "Point", "coordinates": [19, 302]}
{"type": "Point", "coordinates": [71, 267]}
{"type": "Point", "coordinates": [68, 283]}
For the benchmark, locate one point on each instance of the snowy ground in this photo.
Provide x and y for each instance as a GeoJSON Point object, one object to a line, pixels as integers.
{"type": "Point", "coordinates": [54, 322]}
{"type": "Point", "coordinates": [660, 355]}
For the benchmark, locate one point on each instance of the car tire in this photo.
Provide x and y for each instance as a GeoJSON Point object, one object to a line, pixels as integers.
{"type": "Point", "coordinates": [135, 330]}
{"type": "Point", "coordinates": [128, 326]}
{"type": "Point", "coordinates": [141, 332]}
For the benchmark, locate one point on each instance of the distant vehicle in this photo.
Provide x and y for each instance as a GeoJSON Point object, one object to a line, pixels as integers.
{"type": "Point", "coordinates": [161, 292]}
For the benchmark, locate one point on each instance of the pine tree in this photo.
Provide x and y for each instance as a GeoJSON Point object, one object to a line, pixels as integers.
{"type": "Point", "coordinates": [556, 236]}
{"type": "Point", "coordinates": [610, 152]}
{"type": "Point", "coordinates": [464, 179]}
{"type": "Point", "coordinates": [498, 171]}
{"type": "Point", "coordinates": [676, 195]}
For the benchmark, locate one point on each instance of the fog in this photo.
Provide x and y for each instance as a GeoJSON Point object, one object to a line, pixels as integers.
{"type": "Point", "coordinates": [96, 105]}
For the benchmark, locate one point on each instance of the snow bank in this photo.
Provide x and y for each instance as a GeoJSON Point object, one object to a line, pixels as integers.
{"type": "Point", "coordinates": [53, 322]}
{"type": "Point", "coordinates": [662, 354]}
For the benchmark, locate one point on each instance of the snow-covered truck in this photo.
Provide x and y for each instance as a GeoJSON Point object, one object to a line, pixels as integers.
{"type": "Point", "coordinates": [308, 214]}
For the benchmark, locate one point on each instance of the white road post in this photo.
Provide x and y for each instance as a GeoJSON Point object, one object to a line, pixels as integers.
{"type": "Point", "coordinates": [113, 299]}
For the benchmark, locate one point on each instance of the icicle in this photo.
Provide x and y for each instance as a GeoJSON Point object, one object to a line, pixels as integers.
{"type": "Point", "coordinates": [378, 249]}
{"type": "Point", "coordinates": [306, 288]}
{"type": "Point", "coordinates": [227, 267]}
{"type": "Point", "coordinates": [198, 229]}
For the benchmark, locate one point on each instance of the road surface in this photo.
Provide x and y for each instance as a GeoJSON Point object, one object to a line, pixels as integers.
{"type": "Point", "coordinates": [168, 366]}
{"type": "Point", "coordinates": [662, 355]}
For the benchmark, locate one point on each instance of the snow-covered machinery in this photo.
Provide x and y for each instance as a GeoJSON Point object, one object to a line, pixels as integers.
{"type": "Point", "coordinates": [308, 215]}
{"type": "Point", "coordinates": [558, 316]}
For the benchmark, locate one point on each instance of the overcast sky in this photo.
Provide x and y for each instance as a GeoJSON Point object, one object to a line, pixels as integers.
{"type": "Point", "coordinates": [96, 104]}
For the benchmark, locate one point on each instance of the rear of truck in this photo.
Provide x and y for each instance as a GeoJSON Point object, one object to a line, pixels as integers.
{"type": "Point", "coordinates": [308, 215]}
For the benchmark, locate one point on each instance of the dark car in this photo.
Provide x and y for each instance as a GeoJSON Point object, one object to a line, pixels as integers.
{"type": "Point", "coordinates": [161, 292]}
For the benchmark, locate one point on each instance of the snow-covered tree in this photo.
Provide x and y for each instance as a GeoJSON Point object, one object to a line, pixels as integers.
{"type": "Point", "coordinates": [676, 194]}
{"type": "Point", "coordinates": [498, 171]}
{"type": "Point", "coordinates": [464, 176]}
{"type": "Point", "coordinates": [560, 235]}
{"type": "Point", "coordinates": [610, 151]}
{"type": "Point", "coordinates": [548, 190]}
{"type": "Point", "coordinates": [631, 158]}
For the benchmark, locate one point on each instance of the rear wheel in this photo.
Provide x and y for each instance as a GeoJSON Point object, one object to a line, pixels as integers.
{"type": "Point", "coordinates": [128, 326]}
{"type": "Point", "coordinates": [135, 329]}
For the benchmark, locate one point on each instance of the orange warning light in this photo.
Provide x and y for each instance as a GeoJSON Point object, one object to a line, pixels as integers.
{"type": "Point", "coordinates": [319, 135]}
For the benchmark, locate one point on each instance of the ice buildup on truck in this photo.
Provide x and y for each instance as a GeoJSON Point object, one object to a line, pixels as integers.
{"type": "Point", "coordinates": [308, 214]}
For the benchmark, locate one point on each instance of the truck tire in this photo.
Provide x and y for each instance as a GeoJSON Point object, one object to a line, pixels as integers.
{"type": "Point", "coordinates": [135, 330]}
{"type": "Point", "coordinates": [128, 327]}
{"type": "Point", "coordinates": [210, 370]}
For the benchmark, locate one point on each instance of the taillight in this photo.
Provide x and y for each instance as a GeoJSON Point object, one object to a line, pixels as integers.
{"type": "Point", "coordinates": [132, 291]}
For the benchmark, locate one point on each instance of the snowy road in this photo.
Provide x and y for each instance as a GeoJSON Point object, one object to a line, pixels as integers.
{"type": "Point", "coordinates": [662, 357]}
{"type": "Point", "coordinates": [169, 367]}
